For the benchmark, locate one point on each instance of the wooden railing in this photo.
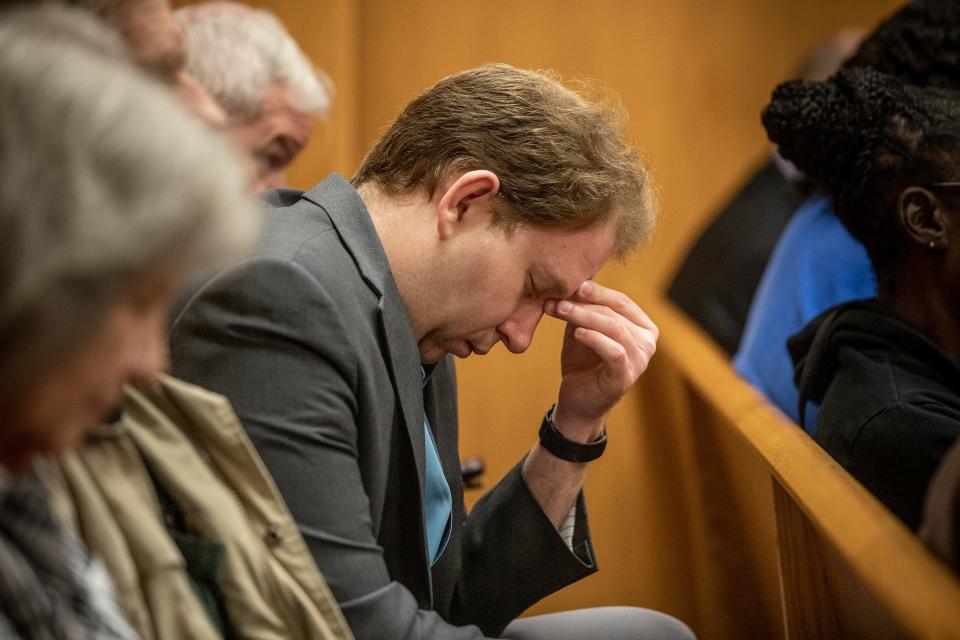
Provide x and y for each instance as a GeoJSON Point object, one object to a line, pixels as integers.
{"type": "Point", "coordinates": [740, 524]}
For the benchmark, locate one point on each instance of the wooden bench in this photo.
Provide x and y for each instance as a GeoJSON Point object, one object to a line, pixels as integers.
{"type": "Point", "coordinates": [733, 519]}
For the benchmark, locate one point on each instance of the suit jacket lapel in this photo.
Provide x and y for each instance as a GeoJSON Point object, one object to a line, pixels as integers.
{"type": "Point", "coordinates": [402, 347]}
{"type": "Point", "coordinates": [350, 217]}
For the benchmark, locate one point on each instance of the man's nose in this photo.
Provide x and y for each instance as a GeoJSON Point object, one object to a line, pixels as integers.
{"type": "Point", "coordinates": [517, 331]}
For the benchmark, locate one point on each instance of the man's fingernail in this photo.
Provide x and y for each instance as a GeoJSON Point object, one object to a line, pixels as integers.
{"type": "Point", "coordinates": [586, 288]}
{"type": "Point", "coordinates": [565, 307]}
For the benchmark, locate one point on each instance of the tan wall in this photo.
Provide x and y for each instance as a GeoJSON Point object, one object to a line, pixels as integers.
{"type": "Point", "coordinates": [693, 75]}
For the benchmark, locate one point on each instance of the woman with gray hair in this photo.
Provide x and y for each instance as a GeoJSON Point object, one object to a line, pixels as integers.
{"type": "Point", "coordinates": [110, 194]}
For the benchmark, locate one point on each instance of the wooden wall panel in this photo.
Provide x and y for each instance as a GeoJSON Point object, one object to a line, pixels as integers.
{"type": "Point", "coordinates": [326, 29]}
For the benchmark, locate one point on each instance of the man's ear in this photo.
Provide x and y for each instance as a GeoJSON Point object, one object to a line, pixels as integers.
{"type": "Point", "coordinates": [468, 200]}
{"type": "Point", "coordinates": [921, 215]}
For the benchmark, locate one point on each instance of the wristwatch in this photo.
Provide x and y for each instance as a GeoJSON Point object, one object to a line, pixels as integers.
{"type": "Point", "coordinates": [553, 441]}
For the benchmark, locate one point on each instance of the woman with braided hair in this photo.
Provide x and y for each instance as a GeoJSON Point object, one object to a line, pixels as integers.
{"type": "Point", "coordinates": [884, 370]}
{"type": "Point", "coordinates": [817, 264]}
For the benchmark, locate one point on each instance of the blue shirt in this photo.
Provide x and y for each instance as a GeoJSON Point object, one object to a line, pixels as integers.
{"type": "Point", "coordinates": [437, 500]}
{"type": "Point", "coordinates": [816, 265]}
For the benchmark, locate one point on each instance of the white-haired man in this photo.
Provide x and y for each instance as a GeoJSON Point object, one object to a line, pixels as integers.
{"type": "Point", "coordinates": [246, 59]}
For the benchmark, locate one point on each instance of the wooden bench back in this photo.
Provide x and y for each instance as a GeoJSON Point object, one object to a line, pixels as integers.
{"type": "Point", "coordinates": [846, 567]}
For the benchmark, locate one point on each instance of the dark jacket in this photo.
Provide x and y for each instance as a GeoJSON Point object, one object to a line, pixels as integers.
{"type": "Point", "coordinates": [890, 400]}
{"type": "Point", "coordinates": [717, 280]}
{"type": "Point", "coordinates": [311, 342]}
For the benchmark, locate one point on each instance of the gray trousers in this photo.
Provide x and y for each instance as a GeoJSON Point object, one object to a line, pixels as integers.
{"type": "Point", "coordinates": [601, 623]}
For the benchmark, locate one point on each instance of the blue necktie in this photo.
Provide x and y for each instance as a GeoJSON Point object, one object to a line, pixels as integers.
{"type": "Point", "coordinates": [437, 501]}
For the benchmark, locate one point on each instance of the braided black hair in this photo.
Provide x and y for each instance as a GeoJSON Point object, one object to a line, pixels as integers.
{"type": "Point", "coordinates": [919, 44]}
{"type": "Point", "coordinates": [863, 137]}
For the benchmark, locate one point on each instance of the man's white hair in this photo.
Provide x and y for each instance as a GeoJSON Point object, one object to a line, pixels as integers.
{"type": "Point", "coordinates": [237, 53]}
{"type": "Point", "coordinates": [104, 180]}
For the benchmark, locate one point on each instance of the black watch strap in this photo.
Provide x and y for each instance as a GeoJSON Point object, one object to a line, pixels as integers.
{"type": "Point", "coordinates": [554, 442]}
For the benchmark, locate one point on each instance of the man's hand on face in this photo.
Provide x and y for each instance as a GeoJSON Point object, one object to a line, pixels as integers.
{"type": "Point", "coordinates": [608, 343]}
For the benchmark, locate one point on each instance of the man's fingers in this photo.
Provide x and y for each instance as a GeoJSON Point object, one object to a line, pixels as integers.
{"type": "Point", "coordinates": [602, 319]}
{"type": "Point", "coordinates": [638, 340]}
{"type": "Point", "coordinates": [609, 350]}
{"type": "Point", "coordinates": [620, 302]}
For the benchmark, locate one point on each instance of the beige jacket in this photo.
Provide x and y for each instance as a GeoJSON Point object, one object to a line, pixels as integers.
{"type": "Point", "coordinates": [194, 445]}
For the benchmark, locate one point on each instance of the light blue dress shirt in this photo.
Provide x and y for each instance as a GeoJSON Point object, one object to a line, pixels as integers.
{"type": "Point", "coordinates": [437, 500]}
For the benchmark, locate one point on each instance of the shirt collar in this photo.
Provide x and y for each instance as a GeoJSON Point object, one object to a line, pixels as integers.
{"type": "Point", "coordinates": [426, 370]}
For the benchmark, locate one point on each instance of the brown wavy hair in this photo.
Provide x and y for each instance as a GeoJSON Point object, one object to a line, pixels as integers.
{"type": "Point", "coordinates": [561, 158]}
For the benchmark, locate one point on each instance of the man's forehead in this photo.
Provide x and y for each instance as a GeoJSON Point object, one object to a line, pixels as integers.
{"type": "Point", "coordinates": [565, 259]}
{"type": "Point", "coordinates": [278, 115]}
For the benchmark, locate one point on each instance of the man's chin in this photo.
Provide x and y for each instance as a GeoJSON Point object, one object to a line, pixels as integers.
{"type": "Point", "coordinates": [461, 348]}
{"type": "Point", "coordinates": [435, 353]}
{"type": "Point", "coordinates": [431, 354]}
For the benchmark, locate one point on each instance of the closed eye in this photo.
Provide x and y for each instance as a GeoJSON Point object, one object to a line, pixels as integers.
{"type": "Point", "coordinates": [531, 291]}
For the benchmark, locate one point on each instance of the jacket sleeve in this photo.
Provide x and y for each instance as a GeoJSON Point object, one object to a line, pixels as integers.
{"type": "Point", "coordinates": [267, 336]}
{"type": "Point", "coordinates": [897, 452]}
{"type": "Point", "coordinates": [513, 556]}
{"type": "Point", "coordinates": [508, 555]}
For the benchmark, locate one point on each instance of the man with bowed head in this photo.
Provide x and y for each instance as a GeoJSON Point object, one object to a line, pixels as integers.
{"type": "Point", "coordinates": [495, 197]}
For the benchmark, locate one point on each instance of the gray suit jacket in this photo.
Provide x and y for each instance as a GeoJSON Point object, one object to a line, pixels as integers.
{"type": "Point", "coordinates": [311, 342]}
